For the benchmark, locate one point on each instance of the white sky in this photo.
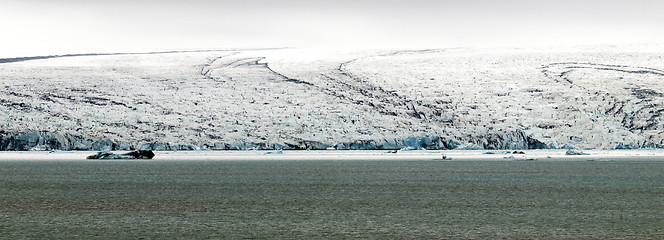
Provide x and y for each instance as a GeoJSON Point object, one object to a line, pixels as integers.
{"type": "Point", "coordinates": [44, 27]}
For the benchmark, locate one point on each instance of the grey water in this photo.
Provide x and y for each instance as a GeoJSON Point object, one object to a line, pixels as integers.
{"type": "Point", "coordinates": [331, 199]}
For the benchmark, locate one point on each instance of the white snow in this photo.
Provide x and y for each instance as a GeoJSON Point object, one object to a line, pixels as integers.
{"type": "Point", "coordinates": [375, 155]}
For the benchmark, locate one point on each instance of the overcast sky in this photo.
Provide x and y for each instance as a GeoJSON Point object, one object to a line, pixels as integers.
{"type": "Point", "coordinates": [43, 27]}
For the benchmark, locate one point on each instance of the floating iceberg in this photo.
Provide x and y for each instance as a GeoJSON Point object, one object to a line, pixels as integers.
{"type": "Point", "coordinates": [275, 152]}
{"type": "Point", "coordinates": [572, 152]}
{"type": "Point", "coordinates": [140, 154]}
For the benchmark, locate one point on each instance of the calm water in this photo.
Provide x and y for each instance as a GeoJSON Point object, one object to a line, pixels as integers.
{"type": "Point", "coordinates": [331, 199]}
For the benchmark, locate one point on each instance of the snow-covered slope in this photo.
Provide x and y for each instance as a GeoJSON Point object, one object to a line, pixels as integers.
{"type": "Point", "coordinates": [301, 98]}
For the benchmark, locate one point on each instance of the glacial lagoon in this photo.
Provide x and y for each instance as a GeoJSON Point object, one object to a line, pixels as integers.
{"type": "Point", "coordinates": [333, 194]}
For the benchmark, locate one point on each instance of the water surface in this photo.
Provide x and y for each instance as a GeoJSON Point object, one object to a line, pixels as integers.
{"type": "Point", "coordinates": [331, 199]}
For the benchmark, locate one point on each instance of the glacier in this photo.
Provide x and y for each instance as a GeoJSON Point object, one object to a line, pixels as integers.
{"type": "Point", "coordinates": [600, 97]}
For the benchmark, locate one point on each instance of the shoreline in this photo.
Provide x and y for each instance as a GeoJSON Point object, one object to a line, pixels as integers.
{"type": "Point", "coordinates": [356, 155]}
